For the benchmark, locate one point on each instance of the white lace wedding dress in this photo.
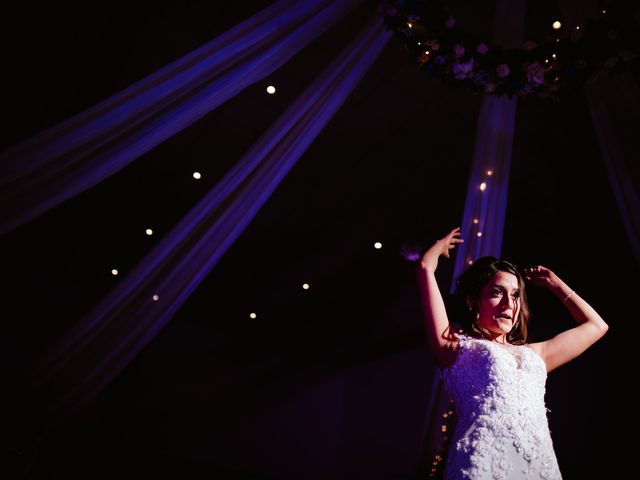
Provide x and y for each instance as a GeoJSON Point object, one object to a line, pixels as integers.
{"type": "Point", "coordinates": [502, 430]}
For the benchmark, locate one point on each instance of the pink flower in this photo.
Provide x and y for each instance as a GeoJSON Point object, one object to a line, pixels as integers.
{"type": "Point", "coordinates": [482, 48]}
{"type": "Point", "coordinates": [458, 50]}
{"type": "Point", "coordinates": [502, 70]}
{"type": "Point", "coordinates": [433, 45]}
{"type": "Point", "coordinates": [535, 73]}
{"type": "Point", "coordinates": [450, 22]}
{"type": "Point", "coordinates": [529, 45]}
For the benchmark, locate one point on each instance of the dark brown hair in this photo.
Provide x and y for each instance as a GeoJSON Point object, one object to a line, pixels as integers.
{"type": "Point", "coordinates": [469, 286]}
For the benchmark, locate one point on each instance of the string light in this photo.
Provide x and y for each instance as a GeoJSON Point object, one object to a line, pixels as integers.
{"type": "Point", "coordinates": [377, 245]}
{"type": "Point", "coordinates": [155, 298]}
{"type": "Point", "coordinates": [476, 221]}
{"type": "Point", "coordinates": [252, 315]}
{"type": "Point", "coordinates": [114, 272]}
{"type": "Point", "coordinates": [271, 89]}
{"type": "Point", "coordinates": [479, 234]}
{"type": "Point", "coordinates": [483, 186]}
{"type": "Point", "coordinates": [556, 25]}
{"type": "Point", "coordinates": [489, 172]}
{"type": "Point", "coordinates": [148, 231]}
{"type": "Point", "coordinates": [197, 175]}
{"type": "Point", "coordinates": [305, 286]}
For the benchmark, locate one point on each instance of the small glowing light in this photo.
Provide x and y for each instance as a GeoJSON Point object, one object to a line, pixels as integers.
{"type": "Point", "coordinates": [197, 175]}
{"type": "Point", "coordinates": [271, 89]}
{"type": "Point", "coordinates": [419, 43]}
{"type": "Point", "coordinates": [148, 231]}
{"type": "Point", "coordinates": [553, 55]}
{"type": "Point", "coordinates": [470, 262]}
{"type": "Point", "coordinates": [483, 186]}
{"type": "Point", "coordinates": [476, 221]}
{"type": "Point", "coordinates": [114, 272]}
{"type": "Point", "coordinates": [252, 315]}
{"type": "Point", "coordinates": [305, 286]}
{"type": "Point", "coordinates": [410, 25]}
{"type": "Point", "coordinates": [479, 234]}
{"type": "Point", "coordinates": [604, 11]}
{"type": "Point", "coordinates": [426, 52]}
{"type": "Point", "coordinates": [578, 27]}
{"type": "Point", "coordinates": [489, 172]}
{"type": "Point", "coordinates": [556, 25]}
{"type": "Point", "coordinates": [377, 245]}
{"type": "Point", "coordinates": [155, 298]}
{"type": "Point", "coordinates": [546, 60]}
{"type": "Point", "coordinates": [443, 428]}
{"type": "Point", "coordinates": [557, 40]}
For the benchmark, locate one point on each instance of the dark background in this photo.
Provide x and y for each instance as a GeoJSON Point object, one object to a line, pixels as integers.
{"type": "Point", "coordinates": [333, 381]}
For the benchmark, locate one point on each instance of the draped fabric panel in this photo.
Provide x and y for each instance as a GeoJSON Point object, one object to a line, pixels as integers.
{"type": "Point", "coordinates": [104, 342]}
{"type": "Point", "coordinates": [614, 104]}
{"type": "Point", "coordinates": [67, 159]}
{"type": "Point", "coordinates": [486, 203]}
{"type": "Point", "coordinates": [483, 219]}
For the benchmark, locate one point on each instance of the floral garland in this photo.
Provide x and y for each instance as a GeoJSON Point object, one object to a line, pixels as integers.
{"type": "Point", "coordinates": [552, 69]}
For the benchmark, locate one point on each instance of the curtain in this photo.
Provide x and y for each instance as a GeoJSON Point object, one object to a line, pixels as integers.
{"type": "Point", "coordinates": [94, 351]}
{"type": "Point", "coordinates": [71, 157]}
{"type": "Point", "coordinates": [614, 104]}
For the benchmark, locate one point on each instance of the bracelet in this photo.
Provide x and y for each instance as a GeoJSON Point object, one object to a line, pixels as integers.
{"type": "Point", "coordinates": [564, 302]}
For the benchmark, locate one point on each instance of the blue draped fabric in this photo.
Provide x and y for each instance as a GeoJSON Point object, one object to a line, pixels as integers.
{"type": "Point", "coordinates": [105, 341]}
{"type": "Point", "coordinates": [67, 159]}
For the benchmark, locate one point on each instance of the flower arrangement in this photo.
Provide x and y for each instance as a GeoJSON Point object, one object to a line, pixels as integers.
{"type": "Point", "coordinates": [559, 66]}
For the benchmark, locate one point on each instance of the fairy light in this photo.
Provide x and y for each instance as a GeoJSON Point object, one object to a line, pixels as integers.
{"type": "Point", "coordinates": [556, 25]}
{"type": "Point", "coordinates": [197, 175]}
{"type": "Point", "coordinates": [271, 89]}
{"type": "Point", "coordinates": [148, 231]}
{"type": "Point", "coordinates": [377, 245]}
{"type": "Point", "coordinates": [489, 172]}
{"type": "Point", "coordinates": [155, 298]}
{"type": "Point", "coordinates": [479, 234]}
{"type": "Point", "coordinates": [483, 186]}
{"type": "Point", "coordinates": [114, 272]}
{"type": "Point", "coordinates": [305, 286]}
{"type": "Point", "coordinates": [476, 221]}
{"type": "Point", "coordinates": [252, 315]}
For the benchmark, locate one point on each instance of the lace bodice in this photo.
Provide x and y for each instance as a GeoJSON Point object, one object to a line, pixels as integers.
{"type": "Point", "coordinates": [502, 430]}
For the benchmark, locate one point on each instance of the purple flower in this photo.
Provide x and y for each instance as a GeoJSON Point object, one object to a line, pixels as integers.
{"type": "Point", "coordinates": [482, 48]}
{"type": "Point", "coordinates": [410, 251]}
{"type": "Point", "coordinates": [462, 70]}
{"type": "Point", "coordinates": [458, 50]}
{"type": "Point", "coordinates": [502, 70]}
{"type": "Point", "coordinates": [535, 73]}
{"type": "Point", "coordinates": [450, 22]}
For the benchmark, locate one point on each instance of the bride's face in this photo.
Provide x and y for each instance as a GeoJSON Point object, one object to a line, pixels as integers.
{"type": "Point", "coordinates": [499, 304]}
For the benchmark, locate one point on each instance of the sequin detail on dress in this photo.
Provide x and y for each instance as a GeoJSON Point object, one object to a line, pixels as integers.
{"type": "Point", "coordinates": [502, 431]}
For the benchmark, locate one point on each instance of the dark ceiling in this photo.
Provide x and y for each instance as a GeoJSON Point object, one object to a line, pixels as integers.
{"type": "Point", "coordinates": [391, 166]}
